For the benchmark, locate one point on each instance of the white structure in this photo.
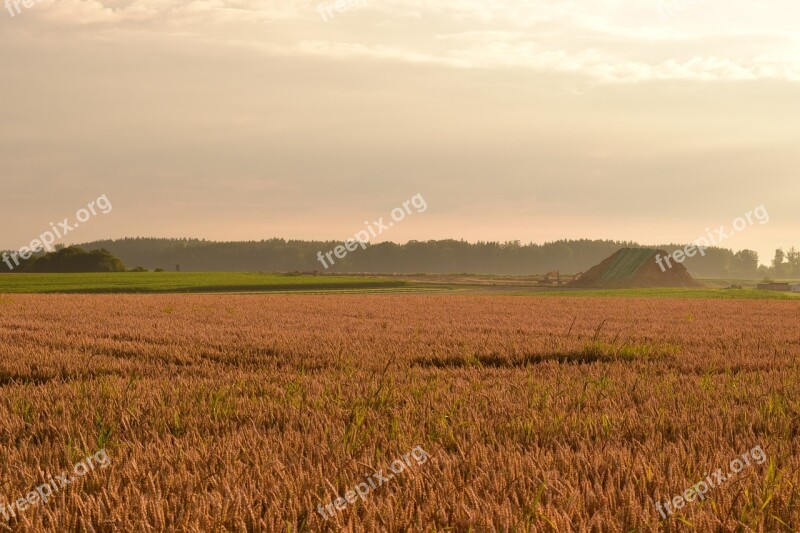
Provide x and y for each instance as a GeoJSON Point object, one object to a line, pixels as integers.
{"type": "Point", "coordinates": [795, 287]}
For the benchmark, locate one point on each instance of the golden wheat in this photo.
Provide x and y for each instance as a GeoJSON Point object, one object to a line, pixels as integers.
{"type": "Point", "coordinates": [243, 413]}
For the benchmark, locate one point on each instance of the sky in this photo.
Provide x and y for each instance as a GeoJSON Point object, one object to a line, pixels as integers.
{"type": "Point", "coordinates": [526, 120]}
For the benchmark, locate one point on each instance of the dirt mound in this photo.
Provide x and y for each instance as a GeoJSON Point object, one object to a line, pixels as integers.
{"type": "Point", "coordinates": [635, 268]}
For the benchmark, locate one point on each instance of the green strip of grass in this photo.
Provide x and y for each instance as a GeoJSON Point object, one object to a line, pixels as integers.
{"type": "Point", "coordinates": [718, 294]}
{"type": "Point", "coordinates": [184, 282]}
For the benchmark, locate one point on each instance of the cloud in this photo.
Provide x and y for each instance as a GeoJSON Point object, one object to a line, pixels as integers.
{"type": "Point", "coordinates": [611, 41]}
{"type": "Point", "coordinates": [279, 123]}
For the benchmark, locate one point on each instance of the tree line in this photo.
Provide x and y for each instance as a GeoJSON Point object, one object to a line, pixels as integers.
{"type": "Point", "coordinates": [434, 256]}
{"type": "Point", "coordinates": [64, 260]}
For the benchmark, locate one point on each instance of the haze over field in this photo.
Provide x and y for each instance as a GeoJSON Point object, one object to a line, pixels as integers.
{"type": "Point", "coordinates": [526, 120]}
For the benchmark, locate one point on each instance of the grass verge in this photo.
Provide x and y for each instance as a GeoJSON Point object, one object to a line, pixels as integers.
{"type": "Point", "coordinates": [184, 282]}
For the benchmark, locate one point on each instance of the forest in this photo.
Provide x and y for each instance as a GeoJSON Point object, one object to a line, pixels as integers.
{"type": "Point", "coordinates": [434, 256]}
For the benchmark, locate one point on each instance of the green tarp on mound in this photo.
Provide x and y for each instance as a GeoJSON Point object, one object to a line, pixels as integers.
{"type": "Point", "coordinates": [635, 268]}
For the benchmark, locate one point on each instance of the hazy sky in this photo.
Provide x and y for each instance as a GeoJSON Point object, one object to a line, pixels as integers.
{"type": "Point", "coordinates": [533, 120]}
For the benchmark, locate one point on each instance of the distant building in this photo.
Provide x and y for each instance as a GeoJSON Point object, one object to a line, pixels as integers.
{"type": "Point", "coordinates": [796, 287]}
{"type": "Point", "coordinates": [775, 287]}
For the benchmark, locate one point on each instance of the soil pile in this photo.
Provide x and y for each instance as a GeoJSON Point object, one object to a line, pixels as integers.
{"type": "Point", "coordinates": [636, 268]}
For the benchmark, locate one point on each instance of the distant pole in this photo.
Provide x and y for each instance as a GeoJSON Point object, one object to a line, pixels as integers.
{"type": "Point", "coordinates": [177, 268]}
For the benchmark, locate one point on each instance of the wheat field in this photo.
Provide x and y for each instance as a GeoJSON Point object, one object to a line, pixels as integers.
{"type": "Point", "coordinates": [245, 413]}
